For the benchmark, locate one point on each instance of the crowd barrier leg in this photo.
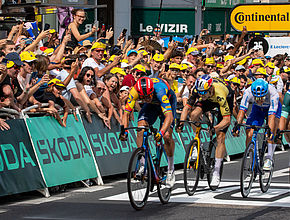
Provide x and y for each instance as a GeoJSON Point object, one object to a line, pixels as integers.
{"type": "Point", "coordinates": [44, 191]}
{"type": "Point", "coordinates": [99, 178]}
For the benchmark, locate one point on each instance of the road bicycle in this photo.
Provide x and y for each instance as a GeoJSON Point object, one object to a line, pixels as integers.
{"type": "Point", "coordinates": [253, 162]}
{"type": "Point", "coordinates": [199, 161]}
{"type": "Point", "coordinates": [143, 176]}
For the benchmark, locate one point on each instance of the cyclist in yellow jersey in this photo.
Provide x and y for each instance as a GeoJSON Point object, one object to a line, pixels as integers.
{"type": "Point", "coordinates": [212, 93]}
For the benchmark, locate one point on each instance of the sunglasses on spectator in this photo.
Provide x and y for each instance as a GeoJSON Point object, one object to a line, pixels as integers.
{"type": "Point", "coordinates": [157, 30]}
{"type": "Point", "coordinates": [90, 75]}
{"type": "Point", "coordinates": [15, 67]}
{"type": "Point", "coordinates": [30, 63]}
{"type": "Point", "coordinates": [84, 17]}
{"type": "Point", "coordinates": [101, 89]}
{"type": "Point", "coordinates": [209, 66]}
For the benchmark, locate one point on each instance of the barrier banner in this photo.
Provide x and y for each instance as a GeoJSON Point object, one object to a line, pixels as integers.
{"type": "Point", "coordinates": [111, 154]}
{"type": "Point", "coordinates": [19, 171]}
{"type": "Point", "coordinates": [64, 153]}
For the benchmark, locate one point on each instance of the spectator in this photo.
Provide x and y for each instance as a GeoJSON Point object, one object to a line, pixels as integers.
{"type": "Point", "coordinates": [85, 82]}
{"type": "Point", "coordinates": [3, 125]}
{"type": "Point", "coordinates": [79, 16]}
{"type": "Point", "coordinates": [185, 89]}
{"type": "Point", "coordinates": [120, 74]}
{"type": "Point", "coordinates": [156, 65]}
{"type": "Point", "coordinates": [97, 51]}
{"type": "Point", "coordinates": [157, 36]}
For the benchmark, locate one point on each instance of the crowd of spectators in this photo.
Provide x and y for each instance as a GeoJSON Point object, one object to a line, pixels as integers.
{"type": "Point", "coordinates": [68, 71]}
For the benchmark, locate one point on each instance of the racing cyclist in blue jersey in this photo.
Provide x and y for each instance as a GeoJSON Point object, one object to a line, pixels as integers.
{"type": "Point", "coordinates": [159, 101]}
{"type": "Point", "coordinates": [265, 99]}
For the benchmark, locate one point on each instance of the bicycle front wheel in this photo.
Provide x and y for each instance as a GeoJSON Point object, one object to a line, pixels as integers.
{"type": "Point", "coordinates": [247, 170]}
{"type": "Point", "coordinates": [265, 176]}
{"type": "Point", "coordinates": [191, 168]}
{"type": "Point", "coordinates": [138, 179]}
{"type": "Point", "coordinates": [163, 191]}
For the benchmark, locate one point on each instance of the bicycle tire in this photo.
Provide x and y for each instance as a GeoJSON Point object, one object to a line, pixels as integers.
{"type": "Point", "coordinates": [191, 166]}
{"type": "Point", "coordinates": [247, 170]}
{"type": "Point", "coordinates": [211, 165]}
{"type": "Point", "coordinates": [163, 191]}
{"type": "Point", "coordinates": [265, 176]}
{"type": "Point", "coordinates": [143, 178]}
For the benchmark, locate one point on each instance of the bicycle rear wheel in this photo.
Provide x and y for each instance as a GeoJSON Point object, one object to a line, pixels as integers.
{"type": "Point", "coordinates": [247, 170]}
{"type": "Point", "coordinates": [265, 176]}
{"type": "Point", "coordinates": [191, 168]}
{"type": "Point", "coordinates": [163, 191]}
{"type": "Point", "coordinates": [211, 165]}
{"type": "Point", "coordinates": [138, 180]}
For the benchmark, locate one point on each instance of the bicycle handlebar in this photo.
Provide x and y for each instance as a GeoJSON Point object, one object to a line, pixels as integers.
{"type": "Point", "coordinates": [255, 126]}
{"type": "Point", "coordinates": [197, 124]}
{"type": "Point", "coordinates": [146, 128]}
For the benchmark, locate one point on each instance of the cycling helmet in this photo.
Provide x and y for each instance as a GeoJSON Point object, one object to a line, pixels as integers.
{"type": "Point", "coordinates": [203, 83]}
{"type": "Point", "coordinates": [259, 88]}
{"type": "Point", "coordinates": [144, 86]}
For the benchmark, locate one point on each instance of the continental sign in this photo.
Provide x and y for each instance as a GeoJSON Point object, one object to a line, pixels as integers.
{"type": "Point", "coordinates": [261, 17]}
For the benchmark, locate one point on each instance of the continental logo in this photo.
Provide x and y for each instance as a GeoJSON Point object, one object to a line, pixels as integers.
{"type": "Point", "coordinates": [241, 17]}
{"type": "Point", "coordinates": [262, 17]}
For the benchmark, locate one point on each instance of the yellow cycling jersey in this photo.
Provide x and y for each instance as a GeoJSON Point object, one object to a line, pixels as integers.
{"type": "Point", "coordinates": [219, 96]}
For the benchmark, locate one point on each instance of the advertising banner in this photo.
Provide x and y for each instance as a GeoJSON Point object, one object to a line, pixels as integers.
{"type": "Point", "coordinates": [223, 3]}
{"type": "Point", "coordinates": [64, 153]}
{"type": "Point", "coordinates": [278, 45]}
{"type": "Point", "coordinates": [19, 171]}
{"type": "Point", "coordinates": [111, 154]}
{"type": "Point", "coordinates": [178, 22]}
{"type": "Point", "coordinates": [261, 17]}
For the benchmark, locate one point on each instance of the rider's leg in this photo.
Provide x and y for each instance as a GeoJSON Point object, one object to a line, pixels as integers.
{"type": "Point", "coordinates": [271, 145]}
{"type": "Point", "coordinates": [169, 146]}
{"type": "Point", "coordinates": [220, 152]}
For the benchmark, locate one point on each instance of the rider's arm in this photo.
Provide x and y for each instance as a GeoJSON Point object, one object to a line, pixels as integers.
{"type": "Point", "coordinates": [185, 112]}
{"type": "Point", "coordinates": [133, 96]}
{"type": "Point", "coordinates": [167, 121]}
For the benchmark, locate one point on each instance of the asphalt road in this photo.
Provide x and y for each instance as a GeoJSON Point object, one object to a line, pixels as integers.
{"type": "Point", "coordinates": [111, 201]}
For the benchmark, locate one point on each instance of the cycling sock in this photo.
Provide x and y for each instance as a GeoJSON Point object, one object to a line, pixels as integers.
{"type": "Point", "coordinates": [217, 165]}
{"type": "Point", "coordinates": [271, 150]}
{"type": "Point", "coordinates": [142, 161]}
{"type": "Point", "coordinates": [170, 163]}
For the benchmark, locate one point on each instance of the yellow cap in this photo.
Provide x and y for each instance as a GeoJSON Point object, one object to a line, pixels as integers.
{"type": "Point", "coordinates": [261, 70]}
{"type": "Point", "coordinates": [140, 68]}
{"type": "Point", "coordinates": [235, 80]}
{"type": "Point", "coordinates": [209, 61]}
{"type": "Point", "coordinates": [125, 61]}
{"type": "Point", "coordinates": [183, 66]}
{"type": "Point", "coordinates": [219, 65]}
{"type": "Point", "coordinates": [56, 82]}
{"type": "Point", "coordinates": [191, 49]}
{"type": "Point", "coordinates": [99, 46]}
{"type": "Point", "coordinates": [143, 51]}
{"type": "Point", "coordinates": [112, 58]}
{"type": "Point", "coordinates": [243, 61]}
{"type": "Point", "coordinates": [48, 51]}
{"type": "Point", "coordinates": [271, 65]}
{"type": "Point", "coordinates": [174, 66]}
{"type": "Point", "coordinates": [228, 57]}
{"type": "Point", "coordinates": [287, 70]}
{"type": "Point", "coordinates": [118, 70]}
{"type": "Point", "coordinates": [27, 56]}
{"type": "Point", "coordinates": [158, 57]}
{"type": "Point", "coordinates": [257, 61]}
{"type": "Point", "coordinates": [52, 31]}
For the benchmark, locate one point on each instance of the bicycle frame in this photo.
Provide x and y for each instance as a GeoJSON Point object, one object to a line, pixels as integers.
{"type": "Point", "coordinates": [147, 150]}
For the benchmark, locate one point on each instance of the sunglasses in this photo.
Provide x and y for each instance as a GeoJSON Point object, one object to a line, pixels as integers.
{"type": "Point", "coordinates": [209, 66]}
{"type": "Point", "coordinates": [89, 75]}
{"type": "Point", "coordinates": [101, 89]}
{"type": "Point", "coordinates": [84, 17]}
{"type": "Point", "coordinates": [30, 63]}
{"type": "Point", "coordinates": [157, 30]}
{"type": "Point", "coordinates": [202, 92]}
{"type": "Point", "coordinates": [260, 98]}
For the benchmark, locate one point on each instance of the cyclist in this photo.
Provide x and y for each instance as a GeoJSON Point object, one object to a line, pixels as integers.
{"type": "Point", "coordinates": [285, 113]}
{"type": "Point", "coordinates": [159, 100]}
{"type": "Point", "coordinates": [212, 92]}
{"type": "Point", "coordinates": [265, 100]}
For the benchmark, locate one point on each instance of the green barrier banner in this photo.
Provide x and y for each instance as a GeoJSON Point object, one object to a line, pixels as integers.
{"type": "Point", "coordinates": [64, 153]}
{"type": "Point", "coordinates": [111, 154]}
{"type": "Point", "coordinates": [19, 171]}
